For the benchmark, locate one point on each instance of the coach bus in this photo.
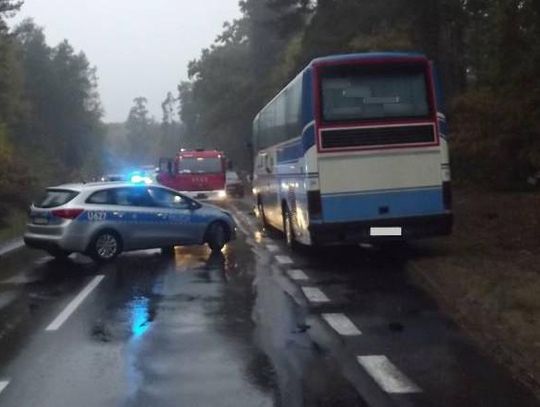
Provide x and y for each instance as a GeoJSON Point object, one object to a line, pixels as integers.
{"type": "Point", "coordinates": [354, 149]}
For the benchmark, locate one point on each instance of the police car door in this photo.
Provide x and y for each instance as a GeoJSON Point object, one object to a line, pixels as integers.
{"type": "Point", "coordinates": [175, 216]}
{"type": "Point", "coordinates": [138, 217]}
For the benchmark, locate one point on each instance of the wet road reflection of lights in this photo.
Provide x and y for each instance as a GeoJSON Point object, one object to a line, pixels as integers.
{"type": "Point", "coordinates": [140, 317]}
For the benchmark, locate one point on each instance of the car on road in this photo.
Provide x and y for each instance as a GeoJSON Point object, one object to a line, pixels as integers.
{"type": "Point", "coordinates": [104, 219]}
{"type": "Point", "coordinates": [233, 185]}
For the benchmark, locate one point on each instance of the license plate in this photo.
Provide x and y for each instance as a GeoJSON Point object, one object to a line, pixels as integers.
{"type": "Point", "coordinates": [385, 231]}
{"type": "Point", "coordinates": [201, 196]}
{"type": "Point", "coordinates": [41, 221]}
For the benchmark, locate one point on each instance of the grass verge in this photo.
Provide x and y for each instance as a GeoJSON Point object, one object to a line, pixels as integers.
{"type": "Point", "coordinates": [487, 276]}
{"type": "Point", "coordinates": [13, 225]}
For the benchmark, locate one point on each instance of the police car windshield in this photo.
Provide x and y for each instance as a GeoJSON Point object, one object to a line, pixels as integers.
{"type": "Point", "coordinates": [199, 165]}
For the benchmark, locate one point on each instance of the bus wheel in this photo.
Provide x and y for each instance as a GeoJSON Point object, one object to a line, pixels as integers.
{"type": "Point", "coordinates": [260, 210]}
{"type": "Point", "coordinates": [288, 228]}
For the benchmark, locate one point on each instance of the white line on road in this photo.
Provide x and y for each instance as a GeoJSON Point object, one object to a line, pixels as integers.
{"type": "Point", "coordinates": [342, 324]}
{"type": "Point", "coordinates": [297, 274]}
{"type": "Point", "coordinates": [72, 306]}
{"type": "Point", "coordinates": [3, 385]}
{"type": "Point", "coordinates": [11, 246]}
{"type": "Point", "coordinates": [272, 248]}
{"type": "Point", "coordinates": [387, 376]}
{"type": "Point", "coordinates": [314, 294]}
{"type": "Point", "coordinates": [284, 260]}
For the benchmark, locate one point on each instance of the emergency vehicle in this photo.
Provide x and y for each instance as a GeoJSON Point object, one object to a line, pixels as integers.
{"type": "Point", "coordinates": [199, 173]}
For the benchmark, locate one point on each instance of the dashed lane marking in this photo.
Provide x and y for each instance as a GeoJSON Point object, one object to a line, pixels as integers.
{"type": "Point", "coordinates": [74, 304]}
{"type": "Point", "coordinates": [314, 294]}
{"type": "Point", "coordinates": [281, 259]}
{"type": "Point", "coordinates": [342, 324]}
{"type": "Point", "coordinates": [272, 248]}
{"type": "Point", "coordinates": [297, 274]}
{"type": "Point", "coordinates": [3, 385]}
{"type": "Point", "coordinates": [386, 375]}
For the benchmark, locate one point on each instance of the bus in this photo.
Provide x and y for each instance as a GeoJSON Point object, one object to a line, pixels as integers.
{"type": "Point", "coordinates": [196, 173]}
{"type": "Point", "coordinates": [354, 150]}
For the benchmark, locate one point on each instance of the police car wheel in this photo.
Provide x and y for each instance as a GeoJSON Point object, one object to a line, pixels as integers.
{"type": "Point", "coordinates": [105, 246]}
{"type": "Point", "coordinates": [216, 236]}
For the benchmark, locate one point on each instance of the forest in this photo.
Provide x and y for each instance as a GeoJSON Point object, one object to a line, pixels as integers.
{"type": "Point", "coordinates": [487, 52]}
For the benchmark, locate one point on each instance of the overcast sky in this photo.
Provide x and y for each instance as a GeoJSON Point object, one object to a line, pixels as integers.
{"type": "Point", "coordinates": [140, 47]}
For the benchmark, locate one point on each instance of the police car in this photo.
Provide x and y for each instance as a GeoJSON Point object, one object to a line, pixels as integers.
{"type": "Point", "coordinates": [104, 219]}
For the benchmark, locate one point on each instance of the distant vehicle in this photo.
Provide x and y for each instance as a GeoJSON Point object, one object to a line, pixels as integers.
{"type": "Point", "coordinates": [102, 220]}
{"type": "Point", "coordinates": [113, 178]}
{"type": "Point", "coordinates": [199, 173]}
{"type": "Point", "coordinates": [354, 149]}
{"type": "Point", "coordinates": [234, 185]}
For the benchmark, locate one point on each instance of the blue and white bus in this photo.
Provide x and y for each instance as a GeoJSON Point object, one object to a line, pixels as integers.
{"type": "Point", "coordinates": [355, 149]}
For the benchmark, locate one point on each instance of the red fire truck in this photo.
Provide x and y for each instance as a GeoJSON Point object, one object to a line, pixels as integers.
{"type": "Point", "coordinates": [197, 173]}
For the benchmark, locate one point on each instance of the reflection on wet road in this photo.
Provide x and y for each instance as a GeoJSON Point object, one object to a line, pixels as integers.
{"type": "Point", "coordinates": [255, 325]}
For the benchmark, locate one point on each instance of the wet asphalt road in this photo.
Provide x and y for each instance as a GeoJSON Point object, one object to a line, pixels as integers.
{"type": "Point", "coordinates": [253, 326]}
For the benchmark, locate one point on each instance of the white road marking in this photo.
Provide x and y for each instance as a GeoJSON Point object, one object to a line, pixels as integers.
{"type": "Point", "coordinates": [272, 248]}
{"type": "Point", "coordinates": [3, 385]}
{"type": "Point", "coordinates": [342, 324]}
{"type": "Point", "coordinates": [314, 294]}
{"type": "Point", "coordinates": [387, 376]}
{"type": "Point", "coordinates": [11, 246]}
{"type": "Point", "coordinates": [72, 306]}
{"type": "Point", "coordinates": [284, 259]}
{"type": "Point", "coordinates": [297, 274]}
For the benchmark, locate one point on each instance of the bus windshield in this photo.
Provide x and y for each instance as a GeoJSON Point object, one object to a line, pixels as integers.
{"type": "Point", "coordinates": [199, 165]}
{"type": "Point", "coordinates": [360, 93]}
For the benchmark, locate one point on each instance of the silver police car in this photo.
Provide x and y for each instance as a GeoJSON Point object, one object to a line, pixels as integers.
{"type": "Point", "coordinates": [104, 219]}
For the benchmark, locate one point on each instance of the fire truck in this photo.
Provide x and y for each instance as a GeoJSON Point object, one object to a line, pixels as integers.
{"type": "Point", "coordinates": [199, 173]}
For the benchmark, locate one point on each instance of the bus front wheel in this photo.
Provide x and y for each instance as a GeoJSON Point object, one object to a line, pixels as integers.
{"type": "Point", "coordinates": [288, 229]}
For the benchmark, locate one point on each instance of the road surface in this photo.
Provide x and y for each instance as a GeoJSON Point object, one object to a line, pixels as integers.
{"type": "Point", "coordinates": [253, 326]}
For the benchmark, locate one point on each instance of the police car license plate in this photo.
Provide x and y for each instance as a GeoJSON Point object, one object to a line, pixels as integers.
{"type": "Point", "coordinates": [41, 221]}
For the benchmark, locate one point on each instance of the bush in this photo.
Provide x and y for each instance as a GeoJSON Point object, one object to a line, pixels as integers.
{"type": "Point", "coordinates": [496, 137]}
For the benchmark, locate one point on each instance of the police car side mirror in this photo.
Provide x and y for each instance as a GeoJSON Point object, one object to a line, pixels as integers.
{"type": "Point", "coordinates": [193, 205]}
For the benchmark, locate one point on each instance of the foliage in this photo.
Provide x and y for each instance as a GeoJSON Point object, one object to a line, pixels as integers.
{"type": "Point", "coordinates": [50, 113]}
{"type": "Point", "coordinates": [487, 53]}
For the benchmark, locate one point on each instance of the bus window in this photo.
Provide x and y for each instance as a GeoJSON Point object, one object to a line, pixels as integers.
{"type": "Point", "coordinates": [361, 94]}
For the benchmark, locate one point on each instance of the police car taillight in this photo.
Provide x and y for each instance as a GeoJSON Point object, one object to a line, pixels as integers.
{"type": "Point", "coordinates": [67, 213]}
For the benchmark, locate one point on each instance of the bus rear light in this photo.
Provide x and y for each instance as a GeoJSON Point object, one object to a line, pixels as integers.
{"type": "Point", "coordinates": [447, 195]}
{"type": "Point", "coordinates": [67, 213]}
{"type": "Point", "coordinates": [314, 204]}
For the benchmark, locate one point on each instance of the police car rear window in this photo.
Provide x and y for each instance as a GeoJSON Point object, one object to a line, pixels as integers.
{"type": "Point", "coordinates": [55, 197]}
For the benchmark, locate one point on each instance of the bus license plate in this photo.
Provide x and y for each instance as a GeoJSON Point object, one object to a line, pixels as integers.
{"type": "Point", "coordinates": [385, 231]}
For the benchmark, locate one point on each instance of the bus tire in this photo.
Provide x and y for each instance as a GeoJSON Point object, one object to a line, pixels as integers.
{"type": "Point", "coordinates": [288, 229]}
{"type": "Point", "coordinates": [260, 210]}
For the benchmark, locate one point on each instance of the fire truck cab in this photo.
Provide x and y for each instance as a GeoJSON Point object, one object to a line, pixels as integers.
{"type": "Point", "coordinates": [199, 174]}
